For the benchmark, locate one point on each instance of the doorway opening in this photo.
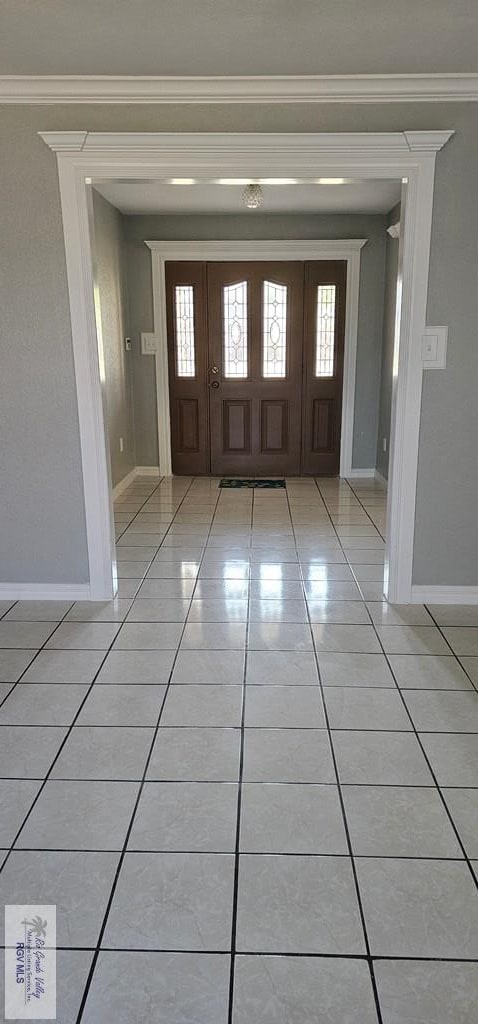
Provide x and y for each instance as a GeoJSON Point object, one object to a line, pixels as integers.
{"type": "Point", "coordinates": [256, 354]}
{"type": "Point", "coordinates": [86, 159]}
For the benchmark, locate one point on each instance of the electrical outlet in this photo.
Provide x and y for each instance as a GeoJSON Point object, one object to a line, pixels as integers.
{"type": "Point", "coordinates": [121, 444]}
{"type": "Point", "coordinates": [384, 444]}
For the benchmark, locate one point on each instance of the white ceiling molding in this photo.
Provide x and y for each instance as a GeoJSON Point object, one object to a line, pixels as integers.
{"type": "Point", "coordinates": [242, 149]}
{"type": "Point", "coordinates": [281, 89]}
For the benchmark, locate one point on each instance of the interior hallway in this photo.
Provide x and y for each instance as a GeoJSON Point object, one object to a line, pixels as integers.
{"type": "Point", "coordinates": [248, 752]}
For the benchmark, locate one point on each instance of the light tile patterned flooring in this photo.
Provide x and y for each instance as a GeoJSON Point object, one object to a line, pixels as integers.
{"type": "Point", "coordinates": [249, 785]}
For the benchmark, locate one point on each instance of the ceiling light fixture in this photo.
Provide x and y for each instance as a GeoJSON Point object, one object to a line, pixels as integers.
{"type": "Point", "coordinates": [330, 181]}
{"type": "Point", "coordinates": [232, 181]}
{"type": "Point", "coordinates": [278, 181]}
{"type": "Point", "coordinates": [182, 181]}
{"type": "Point", "coordinates": [252, 196]}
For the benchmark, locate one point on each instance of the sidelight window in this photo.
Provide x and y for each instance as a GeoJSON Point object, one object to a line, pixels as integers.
{"type": "Point", "coordinates": [325, 333]}
{"type": "Point", "coordinates": [185, 349]}
{"type": "Point", "coordinates": [235, 330]}
{"type": "Point", "coordinates": [274, 330]}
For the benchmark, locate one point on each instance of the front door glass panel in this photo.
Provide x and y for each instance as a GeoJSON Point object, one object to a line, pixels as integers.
{"type": "Point", "coordinates": [274, 341]}
{"type": "Point", "coordinates": [235, 331]}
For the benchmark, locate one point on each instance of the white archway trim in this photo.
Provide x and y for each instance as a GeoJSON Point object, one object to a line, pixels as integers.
{"type": "Point", "coordinates": [335, 249]}
{"type": "Point", "coordinates": [84, 157]}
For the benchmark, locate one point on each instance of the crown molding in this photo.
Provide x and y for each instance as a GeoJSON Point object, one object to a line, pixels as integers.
{"type": "Point", "coordinates": [280, 89]}
{"type": "Point", "coordinates": [208, 147]}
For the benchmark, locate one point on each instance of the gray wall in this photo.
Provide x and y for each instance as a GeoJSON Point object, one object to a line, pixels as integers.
{"type": "Point", "coordinates": [222, 37]}
{"type": "Point", "coordinates": [43, 525]}
{"type": "Point", "coordinates": [110, 277]}
{"type": "Point", "coordinates": [268, 226]}
{"type": "Point", "coordinates": [388, 340]}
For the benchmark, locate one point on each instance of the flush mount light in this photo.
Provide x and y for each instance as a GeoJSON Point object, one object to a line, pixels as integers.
{"type": "Point", "coordinates": [252, 196]}
{"type": "Point", "coordinates": [232, 181]}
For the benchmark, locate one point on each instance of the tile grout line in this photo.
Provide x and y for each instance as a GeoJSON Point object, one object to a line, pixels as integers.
{"type": "Point", "coordinates": [142, 782]}
{"type": "Point", "coordinates": [450, 648]}
{"type": "Point", "coordinates": [414, 731]}
{"type": "Point", "coordinates": [58, 623]}
{"type": "Point", "coordinates": [357, 496]}
{"type": "Point", "coordinates": [69, 728]}
{"type": "Point", "coordinates": [237, 850]}
{"type": "Point", "coordinates": [273, 953]}
{"type": "Point", "coordinates": [345, 821]}
{"type": "Point", "coordinates": [344, 817]}
{"type": "Point", "coordinates": [368, 956]}
{"type": "Point", "coordinates": [136, 514]}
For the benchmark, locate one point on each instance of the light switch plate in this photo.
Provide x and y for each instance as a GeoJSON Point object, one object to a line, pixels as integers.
{"type": "Point", "coordinates": [149, 345]}
{"type": "Point", "coordinates": [434, 345]}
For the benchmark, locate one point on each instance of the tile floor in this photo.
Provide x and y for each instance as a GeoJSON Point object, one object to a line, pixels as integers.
{"type": "Point", "coordinates": [248, 783]}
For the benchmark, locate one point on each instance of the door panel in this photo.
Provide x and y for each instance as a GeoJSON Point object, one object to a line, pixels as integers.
{"type": "Point", "coordinates": [255, 313]}
{"type": "Point", "coordinates": [274, 425]}
{"type": "Point", "coordinates": [187, 352]}
{"type": "Point", "coordinates": [323, 426]}
{"type": "Point", "coordinates": [324, 333]}
{"type": "Point", "coordinates": [188, 425]}
{"type": "Point", "coordinates": [236, 422]}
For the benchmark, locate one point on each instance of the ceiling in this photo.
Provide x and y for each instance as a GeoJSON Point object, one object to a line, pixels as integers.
{"type": "Point", "coordinates": [223, 37]}
{"type": "Point", "coordinates": [150, 197]}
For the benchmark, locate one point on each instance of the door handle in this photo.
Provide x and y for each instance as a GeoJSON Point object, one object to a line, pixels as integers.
{"type": "Point", "coordinates": [214, 369]}
{"type": "Point", "coordinates": [215, 384]}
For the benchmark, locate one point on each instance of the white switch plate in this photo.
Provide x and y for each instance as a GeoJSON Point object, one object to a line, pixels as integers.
{"type": "Point", "coordinates": [149, 345]}
{"type": "Point", "coordinates": [434, 345]}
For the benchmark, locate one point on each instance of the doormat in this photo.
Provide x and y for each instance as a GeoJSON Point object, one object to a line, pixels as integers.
{"type": "Point", "coordinates": [234, 482]}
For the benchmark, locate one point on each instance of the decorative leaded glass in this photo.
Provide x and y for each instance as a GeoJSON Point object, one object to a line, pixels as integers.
{"type": "Point", "coordinates": [325, 337]}
{"type": "Point", "coordinates": [275, 330]}
{"type": "Point", "coordinates": [185, 354]}
{"type": "Point", "coordinates": [235, 330]}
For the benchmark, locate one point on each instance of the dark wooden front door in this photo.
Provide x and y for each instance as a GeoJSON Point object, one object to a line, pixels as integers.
{"type": "Point", "coordinates": [255, 313]}
{"type": "Point", "coordinates": [255, 367]}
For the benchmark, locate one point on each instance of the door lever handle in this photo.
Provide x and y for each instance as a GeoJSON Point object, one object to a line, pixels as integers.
{"type": "Point", "coordinates": [214, 369]}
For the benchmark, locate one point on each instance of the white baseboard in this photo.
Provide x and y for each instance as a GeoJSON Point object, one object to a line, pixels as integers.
{"type": "Point", "coordinates": [131, 476]}
{"type": "Point", "coordinates": [379, 476]}
{"type": "Point", "coordinates": [124, 483]}
{"type": "Point", "coordinates": [147, 471]}
{"type": "Point", "coordinates": [355, 474]}
{"type": "Point", "coordinates": [444, 595]}
{"type": "Point", "coordinates": [44, 591]}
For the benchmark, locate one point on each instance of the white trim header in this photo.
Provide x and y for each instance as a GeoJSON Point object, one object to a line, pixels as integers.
{"type": "Point", "coordinates": [252, 249]}
{"type": "Point", "coordinates": [245, 89]}
{"type": "Point", "coordinates": [208, 147]}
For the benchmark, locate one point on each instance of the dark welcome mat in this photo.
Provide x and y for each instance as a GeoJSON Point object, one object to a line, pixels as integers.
{"type": "Point", "coordinates": [234, 482]}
